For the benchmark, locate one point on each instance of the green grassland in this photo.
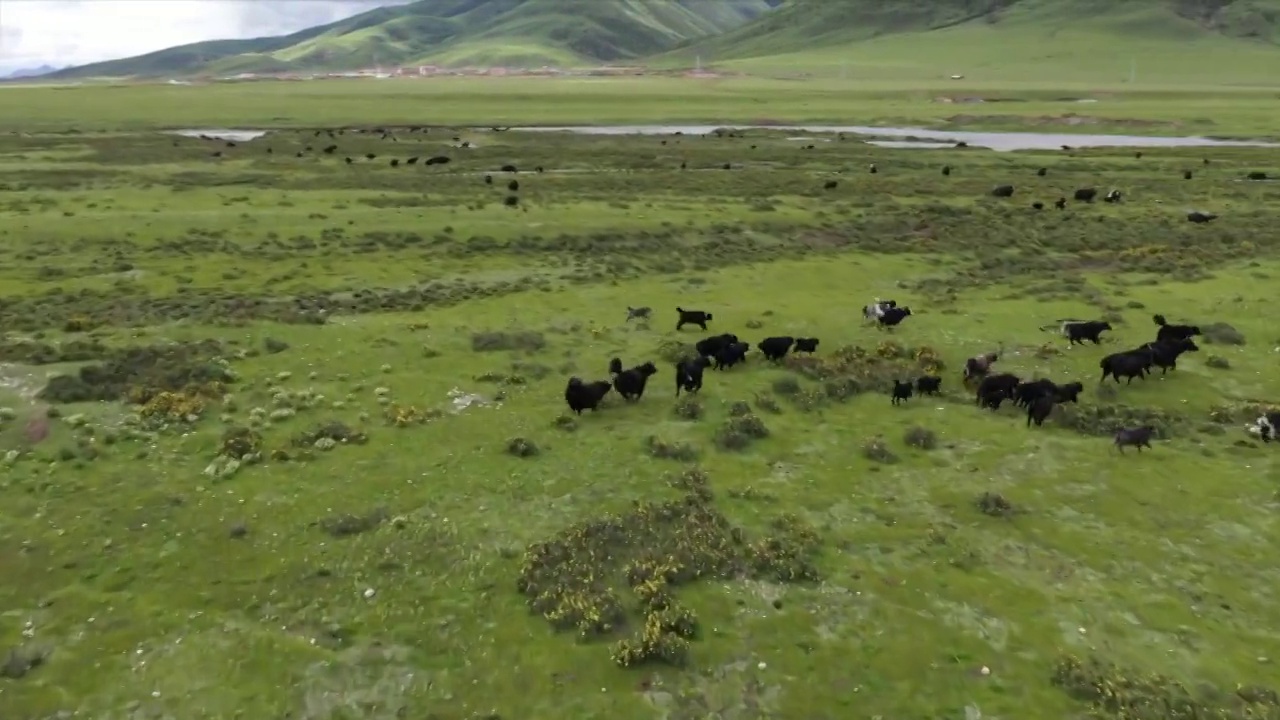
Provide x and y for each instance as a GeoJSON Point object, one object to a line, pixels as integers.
{"type": "Point", "coordinates": [384, 349]}
{"type": "Point", "coordinates": [1148, 109]}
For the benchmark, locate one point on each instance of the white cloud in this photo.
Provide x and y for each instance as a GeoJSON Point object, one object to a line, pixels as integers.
{"type": "Point", "coordinates": [75, 32]}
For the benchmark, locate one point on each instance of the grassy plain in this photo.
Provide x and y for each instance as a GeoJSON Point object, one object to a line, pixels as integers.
{"type": "Point", "coordinates": [1166, 106]}
{"type": "Point", "coordinates": [379, 578]}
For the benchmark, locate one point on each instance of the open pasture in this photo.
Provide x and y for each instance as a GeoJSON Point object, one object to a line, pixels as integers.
{"type": "Point", "coordinates": [1169, 105]}
{"type": "Point", "coordinates": [286, 435]}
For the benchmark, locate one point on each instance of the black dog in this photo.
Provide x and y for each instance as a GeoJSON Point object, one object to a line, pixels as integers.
{"type": "Point", "coordinates": [692, 317]}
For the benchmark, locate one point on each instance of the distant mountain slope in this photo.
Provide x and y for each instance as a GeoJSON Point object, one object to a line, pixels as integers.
{"type": "Point", "coordinates": [30, 72]}
{"type": "Point", "coordinates": [456, 32]}
{"type": "Point", "coordinates": [806, 25]}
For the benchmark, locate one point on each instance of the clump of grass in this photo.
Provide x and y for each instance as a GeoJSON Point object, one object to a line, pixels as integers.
{"type": "Point", "coordinates": [347, 524]}
{"type": "Point", "coordinates": [654, 549]}
{"type": "Point", "coordinates": [786, 386]}
{"type": "Point", "coordinates": [1112, 691]}
{"type": "Point", "coordinates": [993, 504]}
{"type": "Point", "coordinates": [688, 407]}
{"type": "Point", "coordinates": [674, 351]}
{"type": "Point", "coordinates": [739, 408]}
{"type": "Point", "coordinates": [567, 423]}
{"type": "Point", "coordinates": [841, 389]}
{"type": "Point", "coordinates": [522, 448]}
{"type": "Point", "coordinates": [920, 438]}
{"type": "Point", "coordinates": [671, 450]}
{"type": "Point", "coordinates": [738, 433]}
{"type": "Point", "coordinates": [767, 403]}
{"type": "Point", "coordinates": [240, 442]}
{"type": "Point", "coordinates": [1103, 420]}
{"type": "Point", "coordinates": [328, 435]}
{"type": "Point", "coordinates": [1220, 333]}
{"type": "Point", "coordinates": [1217, 362]}
{"type": "Point", "coordinates": [498, 341]}
{"type": "Point", "coordinates": [877, 450]}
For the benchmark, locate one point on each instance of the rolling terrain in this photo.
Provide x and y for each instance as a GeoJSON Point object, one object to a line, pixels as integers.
{"type": "Point", "coordinates": [1042, 41]}
{"type": "Point", "coordinates": [1211, 41]}
{"type": "Point", "coordinates": [523, 33]}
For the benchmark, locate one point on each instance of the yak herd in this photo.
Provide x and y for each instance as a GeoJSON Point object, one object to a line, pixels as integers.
{"type": "Point", "coordinates": [991, 389]}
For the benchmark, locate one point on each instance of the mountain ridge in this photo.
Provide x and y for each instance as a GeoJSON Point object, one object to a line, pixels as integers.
{"type": "Point", "coordinates": [455, 33]}
{"type": "Point", "coordinates": [569, 33]}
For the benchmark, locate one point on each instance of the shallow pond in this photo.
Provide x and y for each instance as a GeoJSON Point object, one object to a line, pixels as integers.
{"type": "Point", "coordinates": [906, 137]}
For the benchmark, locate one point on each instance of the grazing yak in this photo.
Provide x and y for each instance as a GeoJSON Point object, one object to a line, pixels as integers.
{"type": "Point", "coordinates": [995, 389]}
{"type": "Point", "coordinates": [1125, 364]}
{"type": "Point", "coordinates": [630, 383]}
{"type": "Point", "coordinates": [1164, 353]}
{"type": "Point", "coordinates": [731, 354]}
{"type": "Point", "coordinates": [692, 317]}
{"type": "Point", "coordinates": [1039, 409]}
{"type": "Point", "coordinates": [1200, 218]}
{"type": "Point", "coordinates": [1086, 194]}
{"type": "Point", "coordinates": [1027, 392]}
{"type": "Point", "coordinates": [928, 385]}
{"type": "Point", "coordinates": [1077, 331]}
{"type": "Point", "coordinates": [776, 348]}
{"type": "Point", "coordinates": [585, 396]}
{"type": "Point", "coordinates": [891, 317]}
{"type": "Point", "coordinates": [978, 366]}
{"type": "Point", "coordinates": [876, 309]}
{"type": "Point", "coordinates": [711, 346]}
{"type": "Point", "coordinates": [689, 374]}
{"type": "Point", "coordinates": [1174, 332]}
{"type": "Point", "coordinates": [1002, 191]}
{"type": "Point", "coordinates": [901, 392]}
{"type": "Point", "coordinates": [806, 345]}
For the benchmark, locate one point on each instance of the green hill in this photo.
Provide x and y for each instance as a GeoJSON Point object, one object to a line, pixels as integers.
{"type": "Point", "coordinates": [527, 33]}
{"type": "Point", "coordinates": [1031, 40]}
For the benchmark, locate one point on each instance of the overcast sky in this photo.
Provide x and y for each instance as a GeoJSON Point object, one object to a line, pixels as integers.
{"type": "Point", "coordinates": [75, 32]}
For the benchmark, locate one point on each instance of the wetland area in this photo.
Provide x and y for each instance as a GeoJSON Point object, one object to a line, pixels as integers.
{"type": "Point", "coordinates": [283, 429]}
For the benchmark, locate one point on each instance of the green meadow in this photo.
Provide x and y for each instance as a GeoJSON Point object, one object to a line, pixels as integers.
{"type": "Point", "coordinates": [802, 89]}
{"type": "Point", "coordinates": [284, 436]}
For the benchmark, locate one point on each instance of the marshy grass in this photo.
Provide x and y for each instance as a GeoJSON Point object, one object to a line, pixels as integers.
{"type": "Point", "coordinates": [285, 435]}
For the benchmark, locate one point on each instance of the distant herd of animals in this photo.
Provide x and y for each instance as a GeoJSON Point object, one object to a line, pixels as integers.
{"type": "Point", "coordinates": [1085, 195]}
{"type": "Point", "coordinates": [724, 351]}
{"type": "Point", "coordinates": [991, 389]}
